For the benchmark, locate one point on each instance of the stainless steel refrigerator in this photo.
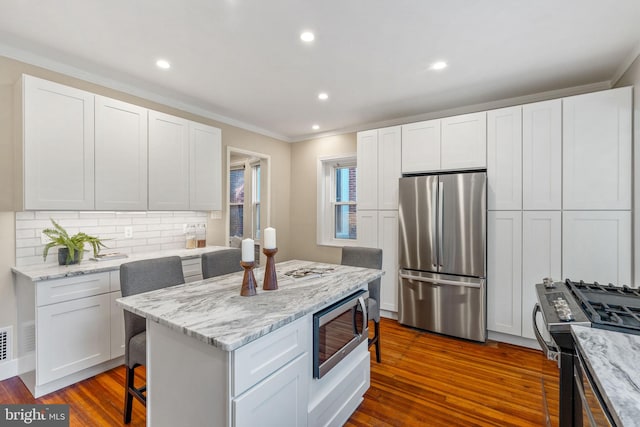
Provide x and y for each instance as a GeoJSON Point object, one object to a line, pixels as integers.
{"type": "Point", "coordinates": [442, 253]}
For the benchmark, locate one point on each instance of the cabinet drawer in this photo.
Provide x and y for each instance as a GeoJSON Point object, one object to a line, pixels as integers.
{"type": "Point", "coordinates": [70, 288]}
{"type": "Point", "coordinates": [259, 359]}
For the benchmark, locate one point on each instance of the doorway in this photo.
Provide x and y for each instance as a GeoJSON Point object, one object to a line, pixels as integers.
{"type": "Point", "coordinates": [248, 209]}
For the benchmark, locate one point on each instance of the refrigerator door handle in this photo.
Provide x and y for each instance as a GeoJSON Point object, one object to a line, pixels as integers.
{"type": "Point", "coordinates": [440, 281]}
{"type": "Point", "coordinates": [434, 227]}
{"type": "Point", "coordinates": [440, 223]}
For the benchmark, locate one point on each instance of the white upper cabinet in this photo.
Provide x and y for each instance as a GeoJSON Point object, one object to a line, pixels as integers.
{"type": "Point", "coordinates": [504, 158]}
{"type": "Point", "coordinates": [421, 147]}
{"type": "Point", "coordinates": [596, 246]}
{"type": "Point", "coordinates": [464, 141]}
{"type": "Point", "coordinates": [205, 184]}
{"type": "Point", "coordinates": [378, 153]}
{"type": "Point", "coordinates": [58, 146]}
{"type": "Point", "coordinates": [168, 162]}
{"type": "Point", "coordinates": [120, 155]}
{"type": "Point", "coordinates": [389, 166]}
{"type": "Point", "coordinates": [367, 176]}
{"type": "Point", "coordinates": [597, 150]}
{"type": "Point", "coordinates": [542, 155]}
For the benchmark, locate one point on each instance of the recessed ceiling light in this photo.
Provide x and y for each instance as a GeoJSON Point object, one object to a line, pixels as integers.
{"type": "Point", "coordinates": [323, 96]}
{"type": "Point", "coordinates": [440, 65]}
{"type": "Point", "coordinates": [315, 127]}
{"type": "Point", "coordinates": [163, 63]}
{"type": "Point", "coordinates": [307, 36]}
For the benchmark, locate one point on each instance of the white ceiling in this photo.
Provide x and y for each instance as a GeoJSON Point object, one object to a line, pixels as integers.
{"type": "Point", "coordinates": [242, 61]}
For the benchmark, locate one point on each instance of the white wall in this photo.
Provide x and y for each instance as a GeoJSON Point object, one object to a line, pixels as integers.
{"type": "Point", "coordinates": [632, 77]}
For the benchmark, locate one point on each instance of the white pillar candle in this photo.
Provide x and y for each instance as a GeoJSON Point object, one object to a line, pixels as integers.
{"type": "Point", "coordinates": [270, 238]}
{"type": "Point", "coordinates": [248, 250]}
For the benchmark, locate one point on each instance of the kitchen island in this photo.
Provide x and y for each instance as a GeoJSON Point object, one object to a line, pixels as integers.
{"type": "Point", "coordinates": [612, 359]}
{"type": "Point", "coordinates": [216, 358]}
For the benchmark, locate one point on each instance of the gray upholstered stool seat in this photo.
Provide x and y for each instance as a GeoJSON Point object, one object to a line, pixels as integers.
{"type": "Point", "coordinates": [137, 277]}
{"type": "Point", "coordinates": [221, 262]}
{"type": "Point", "coordinates": [368, 258]}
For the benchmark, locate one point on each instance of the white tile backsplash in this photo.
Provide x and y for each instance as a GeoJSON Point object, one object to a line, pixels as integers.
{"type": "Point", "coordinates": [152, 231]}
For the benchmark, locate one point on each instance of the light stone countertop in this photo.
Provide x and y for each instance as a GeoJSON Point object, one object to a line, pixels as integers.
{"type": "Point", "coordinates": [88, 266]}
{"type": "Point", "coordinates": [213, 311]}
{"type": "Point", "coordinates": [613, 358]}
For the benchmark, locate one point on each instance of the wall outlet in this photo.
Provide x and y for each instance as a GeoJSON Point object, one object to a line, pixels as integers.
{"type": "Point", "coordinates": [128, 232]}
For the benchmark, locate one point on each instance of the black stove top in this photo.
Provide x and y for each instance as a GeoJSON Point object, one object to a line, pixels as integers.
{"type": "Point", "coordinates": [608, 307]}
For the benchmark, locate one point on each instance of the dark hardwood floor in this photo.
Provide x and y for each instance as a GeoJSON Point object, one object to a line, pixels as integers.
{"type": "Point", "coordinates": [423, 380]}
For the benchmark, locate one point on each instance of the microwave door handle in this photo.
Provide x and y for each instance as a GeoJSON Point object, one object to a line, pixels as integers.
{"type": "Point", "coordinates": [365, 315]}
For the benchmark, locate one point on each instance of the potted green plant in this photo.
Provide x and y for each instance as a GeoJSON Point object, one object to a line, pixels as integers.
{"type": "Point", "coordinates": [72, 247]}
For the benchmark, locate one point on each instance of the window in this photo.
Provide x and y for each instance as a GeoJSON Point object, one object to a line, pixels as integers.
{"type": "Point", "coordinates": [236, 202]}
{"type": "Point", "coordinates": [337, 201]}
{"type": "Point", "coordinates": [255, 202]}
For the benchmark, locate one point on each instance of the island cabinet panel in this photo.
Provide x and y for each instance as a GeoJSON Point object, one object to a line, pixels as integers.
{"type": "Point", "coordinates": [168, 162]}
{"type": "Point", "coordinates": [504, 159]}
{"type": "Point", "coordinates": [205, 167]}
{"type": "Point", "coordinates": [58, 146]}
{"type": "Point", "coordinates": [117, 326]}
{"type": "Point", "coordinates": [72, 336]}
{"type": "Point", "coordinates": [596, 131]}
{"type": "Point", "coordinates": [421, 147]}
{"type": "Point", "coordinates": [262, 357]}
{"type": "Point", "coordinates": [121, 155]}
{"type": "Point", "coordinates": [280, 400]}
{"type": "Point", "coordinates": [464, 142]}
{"type": "Point", "coordinates": [542, 155]}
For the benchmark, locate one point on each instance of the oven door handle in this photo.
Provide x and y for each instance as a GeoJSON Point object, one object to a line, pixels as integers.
{"type": "Point", "coordinates": [549, 350]}
{"type": "Point", "coordinates": [365, 319]}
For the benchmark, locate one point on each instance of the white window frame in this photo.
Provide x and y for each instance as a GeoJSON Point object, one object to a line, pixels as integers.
{"type": "Point", "coordinates": [255, 201]}
{"type": "Point", "coordinates": [325, 228]}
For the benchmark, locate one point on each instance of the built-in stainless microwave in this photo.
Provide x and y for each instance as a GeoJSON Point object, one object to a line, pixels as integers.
{"type": "Point", "coordinates": [337, 330]}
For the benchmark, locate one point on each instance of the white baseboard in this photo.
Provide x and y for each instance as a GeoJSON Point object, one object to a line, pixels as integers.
{"type": "Point", "coordinates": [8, 369]}
{"type": "Point", "coordinates": [389, 314]}
{"type": "Point", "coordinates": [515, 340]}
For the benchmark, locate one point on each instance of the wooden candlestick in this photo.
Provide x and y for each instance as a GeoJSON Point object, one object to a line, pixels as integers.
{"type": "Point", "coordinates": [270, 282]}
{"type": "Point", "coordinates": [249, 280]}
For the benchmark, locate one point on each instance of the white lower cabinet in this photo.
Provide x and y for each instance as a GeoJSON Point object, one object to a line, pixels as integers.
{"type": "Point", "coordinates": [72, 336]}
{"type": "Point", "coordinates": [504, 271]}
{"type": "Point", "coordinates": [388, 242]}
{"type": "Point", "coordinates": [280, 400]}
{"type": "Point", "coordinates": [367, 228]}
{"type": "Point", "coordinates": [541, 257]}
{"type": "Point", "coordinates": [379, 229]}
{"type": "Point", "coordinates": [596, 246]}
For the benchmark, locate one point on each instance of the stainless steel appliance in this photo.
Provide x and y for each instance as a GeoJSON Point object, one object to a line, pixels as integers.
{"type": "Point", "coordinates": [563, 304]}
{"type": "Point", "coordinates": [337, 330]}
{"type": "Point", "coordinates": [442, 253]}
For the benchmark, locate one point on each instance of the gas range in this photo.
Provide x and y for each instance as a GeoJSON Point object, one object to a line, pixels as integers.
{"type": "Point", "coordinates": [568, 303]}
